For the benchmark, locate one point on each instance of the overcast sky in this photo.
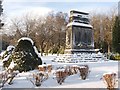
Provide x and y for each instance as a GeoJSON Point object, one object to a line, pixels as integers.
{"type": "Point", "coordinates": [18, 7]}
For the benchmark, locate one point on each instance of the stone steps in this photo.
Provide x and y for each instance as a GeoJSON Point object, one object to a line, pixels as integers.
{"type": "Point", "coordinates": [79, 58]}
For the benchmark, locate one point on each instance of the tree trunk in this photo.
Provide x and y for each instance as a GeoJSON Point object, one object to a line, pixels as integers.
{"type": "Point", "coordinates": [109, 51]}
{"type": "Point", "coordinates": [108, 48]}
{"type": "Point", "coordinates": [47, 50]}
{"type": "Point", "coordinates": [41, 50]}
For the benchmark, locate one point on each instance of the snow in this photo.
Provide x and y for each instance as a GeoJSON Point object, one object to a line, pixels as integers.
{"type": "Point", "coordinates": [109, 73]}
{"type": "Point", "coordinates": [5, 59]}
{"type": "Point", "coordinates": [75, 65]}
{"type": "Point", "coordinates": [81, 15]}
{"type": "Point", "coordinates": [42, 65]}
{"type": "Point", "coordinates": [79, 24]}
{"type": "Point", "coordinates": [36, 51]}
{"type": "Point", "coordinates": [82, 67]}
{"type": "Point", "coordinates": [79, 10]}
{"type": "Point", "coordinates": [12, 65]}
{"type": "Point", "coordinates": [97, 69]}
{"type": "Point", "coordinates": [9, 48]}
{"type": "Point", "coordinates": [2, 53]}
{"type": "Point", "coordinates": [26, 38]}
{"type": "Point", "coordinates": [48, 64]}
{"type": "Point", "coordinates": [62, 70]}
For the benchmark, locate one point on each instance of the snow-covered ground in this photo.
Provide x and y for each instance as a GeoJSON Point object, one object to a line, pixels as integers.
{"type": "Point", "coordinates": [97, 69]}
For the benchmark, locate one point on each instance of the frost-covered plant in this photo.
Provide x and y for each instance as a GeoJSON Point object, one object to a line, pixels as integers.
{"type": "Point", "coordinates": [40, 77]}
{"type": "Point", "coordinates": [25, 55]}
{"type": "Point", "coordinates": [110, 80]}
{"type": "Point", "coordinates": [6, 57]}
{"type": "Point", "coordinates": [84, 70]}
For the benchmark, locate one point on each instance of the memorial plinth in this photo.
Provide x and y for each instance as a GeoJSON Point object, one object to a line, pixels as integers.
{"type": "Point", "coordinates": [79, 40]}
{"type": "Point", "coordinates": [79, 33]}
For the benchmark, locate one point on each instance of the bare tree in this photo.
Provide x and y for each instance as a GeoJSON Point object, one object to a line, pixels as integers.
{"type": "Point", "coordinates": [60, 28]}
{"type": "Point", "coordinates": [40, 35]}
{"type": "Point", "coordinates": [102, 26]}
{"type": "Point", "coordinates": [29, 23]}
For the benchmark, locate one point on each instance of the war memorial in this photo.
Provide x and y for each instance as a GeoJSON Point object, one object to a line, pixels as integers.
{"type": "Point", "coordinates": [79, 40]}
{"type": "Point", "coordinates": [79, 34]}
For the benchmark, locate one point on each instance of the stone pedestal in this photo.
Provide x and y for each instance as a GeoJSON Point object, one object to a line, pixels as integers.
{"type": "Point", "coordinates": [79, 34]}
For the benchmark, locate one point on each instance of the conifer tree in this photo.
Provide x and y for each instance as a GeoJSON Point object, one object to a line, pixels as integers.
{"type": "Point", "coordinates": [116, 35]}
{"type": "Point", "coordinates": [1, 11]}
{"type": "Point", "coordinates": [25, 56]}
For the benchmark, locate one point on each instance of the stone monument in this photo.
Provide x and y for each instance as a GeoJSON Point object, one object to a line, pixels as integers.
{"type": "Point", "coordinates": [79, 33]}
{"type": "Point", "coordinates": [79, 40]}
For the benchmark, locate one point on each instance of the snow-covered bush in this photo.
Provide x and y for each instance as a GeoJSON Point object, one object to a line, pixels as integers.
{"type": "Point", "coordinates": [7, 56]}
{"type": "Point", "coordinates": [25, 55]}
{"type": "Point", "coordinates": [84, 70]}
{"type": "Point", "coordinates": [40, 77]}
{"type": "Point", "coordinates": [61, 74]}
{"type": "Point", "coordinates": [110, 80]}
{"type": "Point", "coordinates": [7, 76]}
{"type": "Point", "coordinates": [45, 68]}
{"type": "Point", "coordinates": [74, 69]}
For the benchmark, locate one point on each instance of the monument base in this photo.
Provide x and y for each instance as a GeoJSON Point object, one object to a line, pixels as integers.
{"type": "Point", "coordinates": [75, 51]}
{"type": "Point", "coordinates": [80, 55]}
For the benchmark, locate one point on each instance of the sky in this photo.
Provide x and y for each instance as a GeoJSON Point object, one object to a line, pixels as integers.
{"type": "Point", "coordinates": [13, 8]}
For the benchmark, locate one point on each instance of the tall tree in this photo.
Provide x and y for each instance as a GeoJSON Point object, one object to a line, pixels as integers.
{"type": "Point", "coordinates": [60, 20]}
{"type": "Point", "coordinates": [1, 11]}
{"type": "Point", "coordinates": [40, 35]}
{"type": "Point", "coordinates": [1, 24]}
{"type": "Point", "coordinates": [116, 35]}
